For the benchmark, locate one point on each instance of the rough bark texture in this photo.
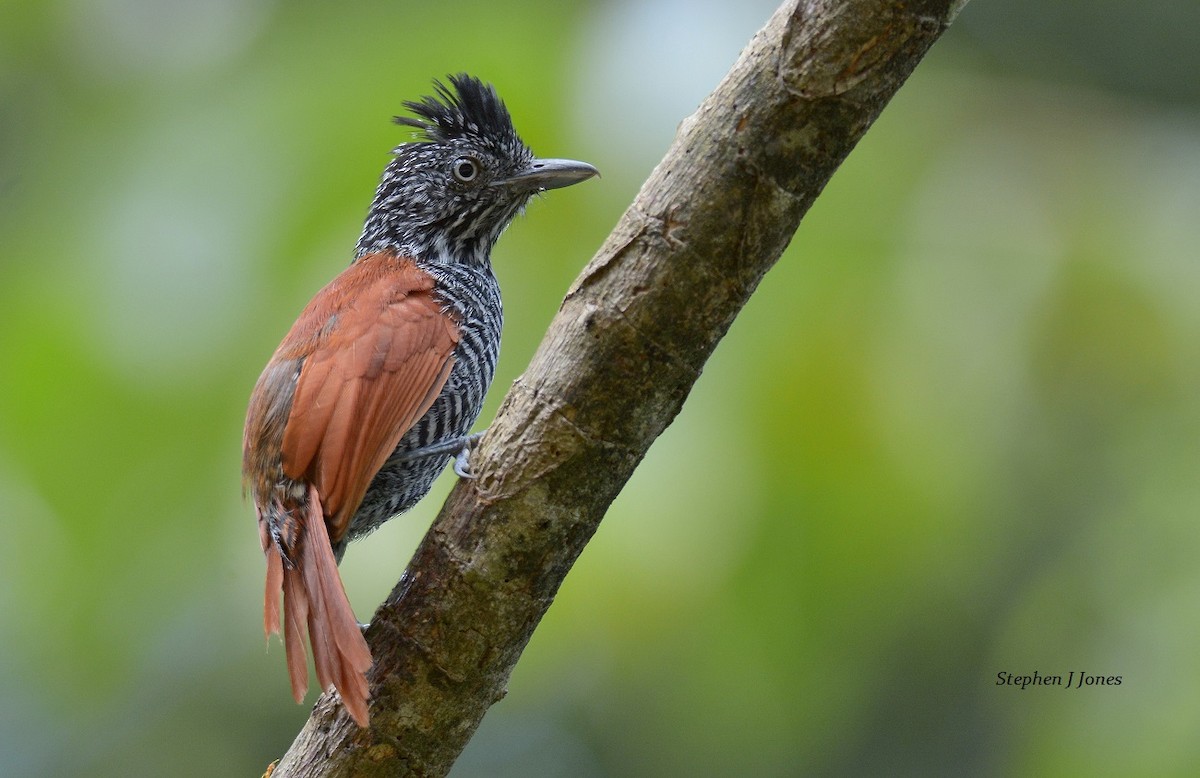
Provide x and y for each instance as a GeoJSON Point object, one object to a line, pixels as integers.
{"type": "Point", "coordinates": [620, 357]}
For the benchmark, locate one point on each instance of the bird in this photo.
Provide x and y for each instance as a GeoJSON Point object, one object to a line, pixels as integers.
{"type": "Point", "coordinates": [384, 373]}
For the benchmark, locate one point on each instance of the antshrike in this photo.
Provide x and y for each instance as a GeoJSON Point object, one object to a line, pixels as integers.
{"type": "Point", "coordinates": [386, 369]}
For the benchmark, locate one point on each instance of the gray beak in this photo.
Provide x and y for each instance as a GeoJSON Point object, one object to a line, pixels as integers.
{"type": "Point", "coordinates": [545, 174]}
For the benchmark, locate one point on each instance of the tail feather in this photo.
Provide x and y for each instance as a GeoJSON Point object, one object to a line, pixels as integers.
{"type": "Point", "coordinates": [340, 653]}
{"type": "Point", "coordinates": [274, 589]}
{"type": "Point", "coordinates": [296, 615]}
{"type": "Point", "coordinates": [313, 598]}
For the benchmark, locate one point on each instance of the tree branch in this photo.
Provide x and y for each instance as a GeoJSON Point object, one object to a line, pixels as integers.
{"type": "Point", "coordinates": [614, 369]}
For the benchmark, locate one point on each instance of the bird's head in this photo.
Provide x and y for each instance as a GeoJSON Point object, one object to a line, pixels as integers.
{"type": "Point", "coordinates": [447, 196]}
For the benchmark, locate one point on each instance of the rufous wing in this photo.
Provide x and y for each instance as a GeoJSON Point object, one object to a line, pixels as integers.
{"type": "Point", "coordinates": [383, 356]}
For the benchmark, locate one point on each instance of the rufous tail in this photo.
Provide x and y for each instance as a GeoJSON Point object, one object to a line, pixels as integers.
{"type": "Point", "coordinates": [313, 596]}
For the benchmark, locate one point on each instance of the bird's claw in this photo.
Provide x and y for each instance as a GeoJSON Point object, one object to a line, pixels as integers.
{"type": "Point", "coordinates": [462, 464]}
{"type": "Point", "coordinates": [462, 460]}
{"type": "Point", "coordinates": [459, 448]}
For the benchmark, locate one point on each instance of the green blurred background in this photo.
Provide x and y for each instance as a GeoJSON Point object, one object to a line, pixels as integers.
{"type": "Point", "coordinates": [955, 433]}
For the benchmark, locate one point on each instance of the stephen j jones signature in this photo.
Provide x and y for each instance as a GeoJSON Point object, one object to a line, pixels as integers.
{"type": "Point", "coordinates": [1074, 679]}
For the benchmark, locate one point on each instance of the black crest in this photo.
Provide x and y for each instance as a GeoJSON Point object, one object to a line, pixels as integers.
{"type": "Point", "coordinates": [471, 109]}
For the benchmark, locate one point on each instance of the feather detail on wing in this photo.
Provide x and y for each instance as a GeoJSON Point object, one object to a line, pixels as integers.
{"type": "Point", "coordinates": [384, 355]}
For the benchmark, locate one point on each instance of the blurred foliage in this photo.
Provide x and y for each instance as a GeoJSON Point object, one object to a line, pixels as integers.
{"type": "Point", "coordinates": [954, 434]}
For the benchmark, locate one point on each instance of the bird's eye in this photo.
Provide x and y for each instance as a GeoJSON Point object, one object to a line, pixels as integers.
{"type": "Point", "coordinates": [465, 169]}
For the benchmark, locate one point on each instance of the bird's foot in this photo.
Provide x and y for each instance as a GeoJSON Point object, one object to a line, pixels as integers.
{"type": "Point", "coordinates": [462, 460]}
{"type": "Point", "coordinates": [460, 448]}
